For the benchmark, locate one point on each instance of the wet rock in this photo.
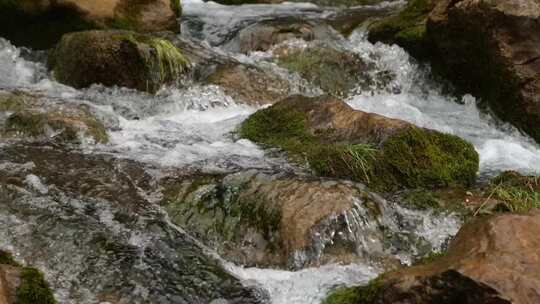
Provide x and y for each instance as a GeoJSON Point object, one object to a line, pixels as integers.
{"type": "Point", "coordinates": [338, 141]}
{"type": "Point", "coordinates": [292, 221]}
{"type": "Point", "coordinates": [40, 23]}
{"type": "Point", "coordinates": [406, 28]}
{"type": "Point", "coordinates": [264, 35]}
{"type": "Point", "coordinates": [332, 3]}
{"type": "Point", "coordinates": [260, 219]}
{"type": "Point", "coordinates": [491, 260]}
{"type": "Point", "coordinates": [250, 84]}
{"type": "Point", "coordinates": [499, 43]}
{"type": "Point", "coordinates": [119, 58]}
{"type": "Point", "coordinates": [106, 230]}
{"type": "Point", "coordinates": [336, 72]}
{"type": "Point", "coordinates": [32, 117]}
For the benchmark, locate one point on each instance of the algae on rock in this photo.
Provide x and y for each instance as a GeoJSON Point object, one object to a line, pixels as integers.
{"type": "Point", "coordinates": [338, 141]}
{"type": "Point", "coordinates": [120, 58]}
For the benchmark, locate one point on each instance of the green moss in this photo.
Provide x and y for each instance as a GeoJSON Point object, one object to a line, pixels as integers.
{"type": "Point", "coordinates": [165, 60]}
{"type": "Point", "coordinates": [11, 102]}
{"type": "Point", "coordinates": [357, 295]}
{"type": "Point", "coordinates": [421, 199]}
{"type": "Point", "coordinates": [422, 158]}
{"type": "Point", "coordinates": [34, 289]}
{"type": "Point", "coordinates": [27, 123]}
{"type": "Point", "coordinates": [407, 29]}
{"type": "Point", "coordinates": [412, 158]}
{"type": "Point", "coordinates": [176, 6]}
{"type": "Point", "coordinates": [517, 192]}
{"type": "Point", "coordinates": [7, 259]}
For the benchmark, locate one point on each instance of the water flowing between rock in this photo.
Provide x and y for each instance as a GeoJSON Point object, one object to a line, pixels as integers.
{"type": "Point", "coordinates": [132, 244]}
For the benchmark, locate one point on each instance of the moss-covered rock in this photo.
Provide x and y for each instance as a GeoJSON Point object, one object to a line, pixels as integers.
{"type": "Point", "coordinates": [32, 117]}
{"type": "Point", "coordinates": [338, 141]}
{"type": "Point", "coordinates": [40, 24]}
{"type": "Point", "coordinates": [356, 295]}
{"type": "Point", "coordinates": [407, 28]}
{"type": "Point", "coordinates": [516, 192]}
{"type": "Point", "coordinates": [259, 219]}
{"type": "Point", "coordinates": [120, 58]}
{"type": "Point", "coordinates": [336, 72]}
{"type": "Point", "coordinates": [22, 285]}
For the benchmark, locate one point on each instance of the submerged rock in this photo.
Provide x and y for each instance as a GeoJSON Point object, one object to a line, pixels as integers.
{"type": "Point", "coordinates": [337, 72]}
{"type": "Point", "coordinates": [338, 141]}
{"type": "Point", "coordinates": [31, 117]}
{"type": "Point", "coordinates": [291, 221]}
{"type": "Point", "coordinates": [111, 243]}
{"type": "Point", "coordinates": [40, 23]}
{"type": "Point", "coordinates": [265, 34]}
{"type": "Point", "coordinates": [250, 84]}
{"type": "Point", "coordinates": [491, 260]}
{"type": "Point", "coordinates": [119, 58]}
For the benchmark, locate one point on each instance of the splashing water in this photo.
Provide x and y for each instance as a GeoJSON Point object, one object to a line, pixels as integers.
{"type": "Point", "coordinates": [194, 128]}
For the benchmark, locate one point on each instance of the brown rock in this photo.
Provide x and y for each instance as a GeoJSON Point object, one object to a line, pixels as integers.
{"type": "Point", "coordinates": [10, 279]}
{"type": "Point", "coordinates": [497, 43]}
{"type": "Point", "coordinates": [41, 23]}
{"type": "Point", "coordinates": [250, 84]}
{"type": "Point", "coordinates": [497, 260]}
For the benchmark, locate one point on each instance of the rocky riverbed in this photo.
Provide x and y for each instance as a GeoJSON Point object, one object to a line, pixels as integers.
{"type": "Point", "coordinates": [268, 152]}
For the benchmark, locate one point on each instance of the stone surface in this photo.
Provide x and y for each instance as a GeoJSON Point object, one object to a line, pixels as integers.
{"type": "Point", "coordinates": [31, 117]}
{"type": "Point", "coordinates": [41, 23]}
{"type": "Point", "coordinates": [491, 260]}
{"type": "Point", "coordinates": [120, 58]}
{"type": "Point", "coordinates": [498, 43]}
{"type": "Point", "coordinates": [9, 281]}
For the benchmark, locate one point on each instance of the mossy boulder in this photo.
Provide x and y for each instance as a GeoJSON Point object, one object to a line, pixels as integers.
{"type": "Point", "coordinates": [406, 28]}
{"type": "Point", "coordinates": [265, 220]}
{"type": "Point", "coordinates": [40, 24]}
{"type": "Point", "coordinates": [31, 117]}
{"type": "Point", "coordinates": [338, 141]}
{"type": "Point", "coordinates": [337, 72]}
{"type": "Point", "coordinates": [120, 58]}
{"type": "Point", "coordinates": [22, 285]}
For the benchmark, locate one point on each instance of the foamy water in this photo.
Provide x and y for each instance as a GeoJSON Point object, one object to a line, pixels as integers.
{"type": "Point", "coordinates": [194, 127]}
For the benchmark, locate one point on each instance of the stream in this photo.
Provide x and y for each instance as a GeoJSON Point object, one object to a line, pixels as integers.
{"type": "Point", "coordinates": [144, 256]}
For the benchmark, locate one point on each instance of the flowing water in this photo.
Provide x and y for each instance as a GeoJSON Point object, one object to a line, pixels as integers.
{"type": "Point", "coordinates": [192, 129]}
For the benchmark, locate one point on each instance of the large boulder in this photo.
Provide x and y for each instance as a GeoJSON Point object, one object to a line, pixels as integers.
{"type": "Point", "coordinates": [41, 23]}
{"type": "Point", "coordinates": [121, 58]}
{"type": "Point", "coordinates": [491, 260]}
{"type": "Point", "coordinates": [498, 43]}
{"type": "Point", "coordinates": [338, 141]}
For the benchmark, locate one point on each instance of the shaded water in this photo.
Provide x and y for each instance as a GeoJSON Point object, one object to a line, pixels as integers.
{"type": "Point", "coordinates": [192, 128]}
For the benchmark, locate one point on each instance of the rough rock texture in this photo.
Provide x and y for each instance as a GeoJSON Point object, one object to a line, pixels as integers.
{"type": "Point", "coordinates": [79, 190]}
{"type": "Point", "coordinates": [9, 281]}
{"type": "Point", "coordinates": [41, 23]}
{"type": "Point", "coordinates": [338, 141]}
{"type": "Point", "coordinates": [335, 71]}
{"type": "Point", "coordinates": [491, 260]}
{"type": "Point", "coordinates": [119, 58]}
{"type": "Point", "coordinates": [262, 35]}
{"type": "Point", "coordinates": [406, 28]}
{"type": "Point", "coordinates": [249, 84]}
{"type": "Point", "coordinates": [31, 117]}
{"type": "Point", "coordinates": [498, 43]}
{"type": "Point", "coordinates": [261, 219]}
